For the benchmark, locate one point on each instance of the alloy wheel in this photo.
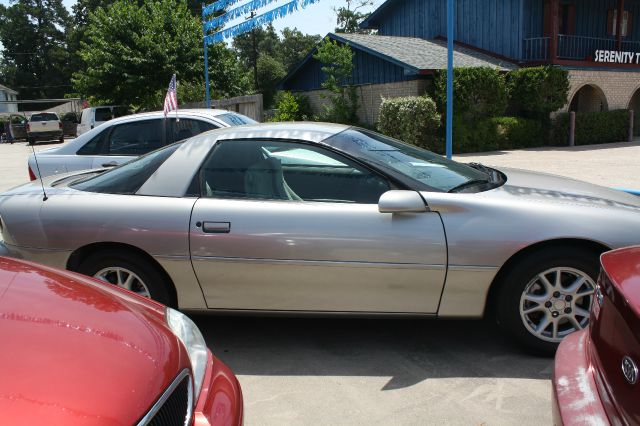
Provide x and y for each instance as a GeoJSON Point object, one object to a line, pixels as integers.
{"type": "Point", "coordinates": [125, 278]}
{"type": "Point", "coordinates": [556, 303]}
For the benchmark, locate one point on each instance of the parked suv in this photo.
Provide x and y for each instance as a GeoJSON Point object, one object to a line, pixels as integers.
{"type": "Point", "coordinates": [44, 126]}
{"type": "Point", "coordinates": [122, 139]}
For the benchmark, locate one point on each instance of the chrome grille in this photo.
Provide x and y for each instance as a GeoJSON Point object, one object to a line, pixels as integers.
{"type": "Point", "coordinates": [175, 406]}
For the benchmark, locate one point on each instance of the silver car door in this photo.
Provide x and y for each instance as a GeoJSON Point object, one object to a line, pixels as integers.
{"type": "Point", "coordinates": [312, 241]}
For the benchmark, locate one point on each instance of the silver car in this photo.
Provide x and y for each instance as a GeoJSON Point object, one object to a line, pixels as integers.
{"type": "Point", "coordinates": [322, 218]}
{"type": "Point", "coordinates": [117, 141]}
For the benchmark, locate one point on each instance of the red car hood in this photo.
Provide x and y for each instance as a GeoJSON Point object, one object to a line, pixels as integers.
{"type": "Point", "coordinates": [74, 353]}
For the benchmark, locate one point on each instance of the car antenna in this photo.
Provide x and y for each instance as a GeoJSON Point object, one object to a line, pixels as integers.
{"type": "Point", "coordinates": [45, 198]}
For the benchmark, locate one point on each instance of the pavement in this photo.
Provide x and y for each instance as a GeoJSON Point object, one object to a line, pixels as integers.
{"type": "Point", "coordinates": [333, 371]}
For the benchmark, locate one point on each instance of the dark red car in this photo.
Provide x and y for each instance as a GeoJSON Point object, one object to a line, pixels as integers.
{"type": "Point", "coordinates": [75, 351]}
{"type": "Point", "coordinates": [596, 370]}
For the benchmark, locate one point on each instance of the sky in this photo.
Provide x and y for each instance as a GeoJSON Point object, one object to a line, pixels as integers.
{"type": "Point", "coordinates": [317, 18]}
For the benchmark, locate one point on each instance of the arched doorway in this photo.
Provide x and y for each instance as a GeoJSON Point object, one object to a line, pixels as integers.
{"type": "Point", "coordinates": [589, 98]}
{"type": "Point", "coordinates": [634, 105]}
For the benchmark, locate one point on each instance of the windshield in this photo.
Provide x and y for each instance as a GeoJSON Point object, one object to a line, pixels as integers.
{"type": "Point", "coordinates": [44, 117]}
{"type": "Point", "coordinates": [431, 171]}
{"type": "Point", "coordinates": [235, 119]}
{"type": "Point", "coordinates": [129, 177]}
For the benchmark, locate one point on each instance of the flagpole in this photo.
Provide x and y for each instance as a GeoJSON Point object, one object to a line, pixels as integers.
{"type": "Point", "coordinates": [206, 61]}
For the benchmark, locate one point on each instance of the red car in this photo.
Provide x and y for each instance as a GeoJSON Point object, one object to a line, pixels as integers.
{"type": "Point", "coordinates": [78, 352]}
{"type": "Point", "coordinates": [596, 370]}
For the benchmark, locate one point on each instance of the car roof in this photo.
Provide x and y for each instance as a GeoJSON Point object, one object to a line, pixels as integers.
{"type": "Point", "coordinates": [201, 112]}
{"type": "Point", "coordinates": [307, 131]}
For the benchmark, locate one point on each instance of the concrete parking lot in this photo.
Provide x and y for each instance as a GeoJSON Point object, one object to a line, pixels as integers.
{"type": "Point", "coordinates": [310, 371]}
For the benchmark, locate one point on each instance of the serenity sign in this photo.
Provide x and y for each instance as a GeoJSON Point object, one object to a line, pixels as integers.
{"type": "Point", "coordinates": [617, 57]}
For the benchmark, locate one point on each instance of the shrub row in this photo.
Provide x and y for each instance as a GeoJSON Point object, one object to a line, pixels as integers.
{"type": "Point", "coordinates": [413, 119]}
{"type": "Point", "coordinates": [591, 128]}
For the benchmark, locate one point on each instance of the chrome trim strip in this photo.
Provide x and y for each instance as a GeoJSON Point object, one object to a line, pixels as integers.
{"type": "Point", "coordinates": [166, 394]}
{"type": "Point", "coordinates": [319, 263]}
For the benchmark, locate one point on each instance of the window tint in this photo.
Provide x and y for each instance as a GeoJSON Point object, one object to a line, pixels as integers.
{"type": "Point", "coordinates": [129, 177]}
{"type": "Point", "coordinates": [94, 146]}
{"type": "Point", "coordinates": [277, 170]}
{"type": "Point", "coordinates": [135, 138]}
{"type": "Point", "coordinates": [103, 114]}
{"type": "Point", "coordinates": [233, 119]}
{"type": "Point", "coordinates": [48, 116]}
{"type": "Point", "coordinates": [186, 127]}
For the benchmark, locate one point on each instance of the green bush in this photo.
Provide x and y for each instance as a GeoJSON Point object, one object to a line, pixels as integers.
{"type": "Point", "coordinates": [538, 91]}
{"type": "Point", "coordinates": [517, 132]}
{"type": "Point", "coordinates": [412, 119]}
{"type": "Point", "coordinates": [478, 92]}
{"type": "Point", "coordinates": [592, 127]}
{"type": "Point", "coordinates": [292, 107]}
{"type": "Point", "coordinates": [474, 136]}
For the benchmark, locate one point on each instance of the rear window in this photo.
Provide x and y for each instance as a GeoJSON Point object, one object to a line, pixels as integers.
{"type": "Point", "coordinates": [103, 114]}
{"type": "Point", "coordinates": [44, 117]}
{"type": "Point", "coordinates": [129, 177]}
{"type": "Point", "coordinates": [235, 119]}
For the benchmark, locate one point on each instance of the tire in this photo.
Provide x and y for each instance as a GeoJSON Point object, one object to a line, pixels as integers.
{"type": "Point", "coordinates": [538, 314]}
{"type": "Point", "coordinates": [61, 138]}
{"type": "Point", "coordinates": [117, 265]}
{"type": "Point", "coordinates": [31, 141]}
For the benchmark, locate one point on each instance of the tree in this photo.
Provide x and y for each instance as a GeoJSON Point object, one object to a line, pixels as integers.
{"type": "Point", "coordinates": [249, 46]}
{"type": "Point", "coordinates": [132, 50]}
{"type": "Point", "coordinates": [34, 54]}
{"type": "Point", "coordinates": [337, 66]}
{"type": "Point", "coordinates": [348, 20]}
{"type": "Point", "coordinates": [295, 46]}
{"type": "Point", "coordinates": [538, 91]}
{"type": "Point", "coordinates": [270, 72]}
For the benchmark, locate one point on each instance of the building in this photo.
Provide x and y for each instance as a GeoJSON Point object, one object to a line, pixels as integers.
{"type": "Point", "coordinates": [596, 41]}
{"type": "Point", "coordinates": [7, 94]}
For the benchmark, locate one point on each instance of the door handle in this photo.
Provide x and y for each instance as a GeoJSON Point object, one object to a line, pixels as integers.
{"type": "Point", "coordinates": [110, 164]}
{"type": "Point", "coordinates": [216, 227]}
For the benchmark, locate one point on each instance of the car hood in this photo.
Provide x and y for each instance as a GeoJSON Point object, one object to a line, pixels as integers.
{"type": "Point", "coordinates": [76, 353]}
{"type": "Point", "coordinates": [543, 187]}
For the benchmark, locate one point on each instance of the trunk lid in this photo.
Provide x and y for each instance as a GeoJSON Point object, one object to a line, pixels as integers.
{"type": "Point", "coordinates": [615, 332]}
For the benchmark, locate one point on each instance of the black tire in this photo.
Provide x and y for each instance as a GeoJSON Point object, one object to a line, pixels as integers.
{"type": "Point", "coordinates": [516, 279]}
{"type": "Point", "coordinates": [156, 283]}
{"type": "Point", "coordinates": [31, 141]}
{"type": "Point", "coordinates": [62, 139]}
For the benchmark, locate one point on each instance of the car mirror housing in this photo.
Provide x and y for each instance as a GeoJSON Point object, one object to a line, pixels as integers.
{"type": "Point", "coordinates": [398, 201]}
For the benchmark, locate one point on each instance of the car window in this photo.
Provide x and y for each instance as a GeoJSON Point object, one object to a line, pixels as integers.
{"type": "Point", "coordinates": [233, 119]}
{"type": "Point", "coordinates": [44, 117]}
{"type": "Point", "coordinates": [429, 170]}
{"type": "Point", "coordinates": [93, 146]}
{"type": "Point", "coordinates": [103, 114]}
{"type": "Point", "coordinates": [129, 177]}
{"type": "Point", "coordinates": [121, 111]}
{"type": "Point", "coordinates": [135, 138]}
{"type": "Point", "coordinates": [277, 170]}
{"type": "Point", "coordinates": [186, 127]}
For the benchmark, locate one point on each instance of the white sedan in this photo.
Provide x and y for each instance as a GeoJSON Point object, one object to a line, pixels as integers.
{"type": "Point", "coordinates": [122, 139]}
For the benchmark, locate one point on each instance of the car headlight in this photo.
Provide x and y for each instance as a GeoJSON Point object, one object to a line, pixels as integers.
{"type": "Point", "coordinates": [192, 339]}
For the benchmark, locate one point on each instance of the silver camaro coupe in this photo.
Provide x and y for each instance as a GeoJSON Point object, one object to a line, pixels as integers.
{"type": "Point", "coordinates": [321, 218]}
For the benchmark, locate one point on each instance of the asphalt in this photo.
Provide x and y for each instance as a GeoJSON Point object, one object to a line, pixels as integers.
{"type": "Point", "coordinates": [313, 371]}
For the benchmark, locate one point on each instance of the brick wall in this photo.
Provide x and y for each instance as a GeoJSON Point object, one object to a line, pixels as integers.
{"type": "Point", "coordinates": [617, 87]}
{"type": "Point", "coordinates": [370, 97]}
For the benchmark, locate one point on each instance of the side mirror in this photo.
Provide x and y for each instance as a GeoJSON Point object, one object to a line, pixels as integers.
{"type": "Point", "coordinates": [401, 202]}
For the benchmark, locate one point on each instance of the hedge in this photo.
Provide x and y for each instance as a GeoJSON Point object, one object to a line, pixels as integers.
{"type": "Point", "coordinates": [517, 132]}
{"type": "Point", "coordinates": [413, 119]}
{"type": "Point", "coordinates": [538, 91]}
{"type": "Point", "coordinates": [592, 128]}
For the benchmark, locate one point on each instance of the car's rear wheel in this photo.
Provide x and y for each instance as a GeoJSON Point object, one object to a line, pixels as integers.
{"type": "Point", "coordinates": [31, 141]}
{"type": "Point", "coordinates": [128, 270]}
{"type": "Point", "coordinates": [61, 138]}
{"type": "Point", "coordinates": [547, 295]}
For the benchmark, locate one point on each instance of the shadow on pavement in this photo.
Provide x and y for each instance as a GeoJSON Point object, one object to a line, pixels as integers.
{"type": "Point", "coordinates": [406, 350]}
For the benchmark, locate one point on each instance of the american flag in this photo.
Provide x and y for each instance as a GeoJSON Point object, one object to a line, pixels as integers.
{"type": "Point", "coordinates": [171, 100]}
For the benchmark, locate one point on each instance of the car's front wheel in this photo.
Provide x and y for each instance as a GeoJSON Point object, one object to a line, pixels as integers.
{"type": "Point", "coordinates": [128, 270]}
{"type": "Point", "coordinates": [547, 295]}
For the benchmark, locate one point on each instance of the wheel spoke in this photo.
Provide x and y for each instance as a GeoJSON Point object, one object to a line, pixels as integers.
{"type": "Point", "coordinates": [548, 287]}
{"type": "Point", "coordinates": [119, 277]}
{"type": "Point", "coordinates": [586, 292]}
{"type": "Point", "coordinates": [554, 329]}
{"type": "Point", "coordinates": [579, 312]}
{"type": "Point", "coordinates": [576, 324]}
{"type": "Point", "coordinates": [535, 299]}
{"type": "Point", "coordinates": [558, 281]}
{"type": "Point", "coordinates": [542, 326]}
{"type": "Point", "coordinates": [532, 309]}
{"type": "Point", "coordinates": [575, 286]}
{"type": "Point", "coordinates": [128, 282]}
